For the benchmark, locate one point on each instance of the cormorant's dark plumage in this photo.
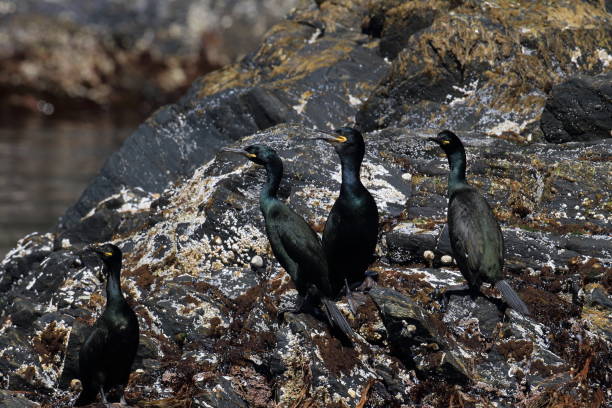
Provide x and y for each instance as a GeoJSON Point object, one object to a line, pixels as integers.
{"type": "Point", "coordinates": [106, 357]}
{"type": "Point", "coordinates": [295, 245]}
{"type": "Point", "coordinates": [351, 230]}
{"type": "Point", "coordinates": [475, 236]}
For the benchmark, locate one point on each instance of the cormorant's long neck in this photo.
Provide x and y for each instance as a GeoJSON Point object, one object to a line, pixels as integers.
{"type": "Point", "coordinates": [114, 296]}
{"type": "Point", "coordinates": [456, 177]}
{"type": "Point", "coordinates": [274, 170]}
{"type": "Point", "coordinates": [351, 166]}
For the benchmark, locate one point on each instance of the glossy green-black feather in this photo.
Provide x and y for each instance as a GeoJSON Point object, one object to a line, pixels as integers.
{"type": "Point", "coordinates": [475, 235]}
{"type": "Point", "coordinates": [106, 357]}
{"type": "Point", "coordinates": [351, 230]}
{"type": "Point", "coordinates": [294, 244]}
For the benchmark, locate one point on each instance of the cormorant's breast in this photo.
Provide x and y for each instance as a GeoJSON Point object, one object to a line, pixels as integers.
{"type": "Point", "coordinates": [475, 236]}
{"type": "Point", "coordinates": [350, 235]}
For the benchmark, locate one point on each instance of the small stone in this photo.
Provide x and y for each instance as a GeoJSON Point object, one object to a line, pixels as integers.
{"type": "Point", "coordinates": [429, 255]}
{"type": "Point", "coordinates": [76, 385]}
{"type": "Point", "coordinates": [257, 261]}
{"type": "Point", "coordinates": [407, 176]}
{"type": "Point", "coordinates": [446, 259]}
{"type": "Point", "coordinates": [218, 240]}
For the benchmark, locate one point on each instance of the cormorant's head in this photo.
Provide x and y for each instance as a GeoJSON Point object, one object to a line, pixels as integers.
{"type": "Point", "coordinates": [109, 253]}
{"type": "Point", "coordinates": [260, 154]}
{"type": "Point", "coordinates": [346, 141]}
{"type": "Point", "coordinates": [448, 141]}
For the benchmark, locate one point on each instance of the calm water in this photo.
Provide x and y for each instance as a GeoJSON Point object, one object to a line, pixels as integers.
{"type": "Point", "coordinates": [44, 167]}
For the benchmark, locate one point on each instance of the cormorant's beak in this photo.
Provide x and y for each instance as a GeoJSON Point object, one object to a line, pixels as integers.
{"type": "Point", "coordinates": [331, 137]}
{"type": "Point", "coordinates": [439, 140]}
{"type": "Point", "coordinates": [99, 251]}
{"type": "Point", "coordinates": [238, 151]}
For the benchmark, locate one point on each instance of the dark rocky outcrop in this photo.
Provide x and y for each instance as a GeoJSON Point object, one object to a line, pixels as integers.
{"type": "Point", "coordinates": [474, 65]}
{"type": "Point", "coordinates": [579, 110]}
{"type": "Point", "coordinates": [204, 283]}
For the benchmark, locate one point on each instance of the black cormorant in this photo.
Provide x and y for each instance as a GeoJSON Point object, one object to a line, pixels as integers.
{"type": "Point", "coordinates": [351, 230]}
{"type": "Point", "coordinates": [475, 236]}
{"type": "Point", "coordinates": [106, 356]}
{"type": "Point", "coordinates": [294, 244]}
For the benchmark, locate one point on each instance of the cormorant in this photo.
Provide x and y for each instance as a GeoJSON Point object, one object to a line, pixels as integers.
{"type": "Point", "coordinates": [106, 357]}
{"type": "Point", "coordinates": [294, 244]}
{"type": "Point", "coordinates": [351, 230]}
{"type": "Point", "coordinates": [476, 239]}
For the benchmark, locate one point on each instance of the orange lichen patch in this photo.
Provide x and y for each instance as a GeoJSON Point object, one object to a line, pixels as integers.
{"type": "Point", "coordinates": [413, 284]}
{"type": "Point", "coordinates": [338, 359]}
{"type": "Point", "coordinates": [143, 275]}
{"type": "Point", "coordinates": [96, 301]}
{"type": "Point", "coordinates": [50, 344]}
{"type": "Point", "coordinates": [590, 270]}
{"type": "Point", "coordinates": [252, 386]}
{"type": "Point", "coordinates": [27, 373]}
{"type": "Point", "coordinates": [548, 307]}
{"type": "Point", "coordinates": [433, 393]}
{"type": "Point", "coordinates": [213, 293]}
{"type": "Point", "coordinates": [515, 349]}
{"type": "Point", "coordinates": [544, 370]}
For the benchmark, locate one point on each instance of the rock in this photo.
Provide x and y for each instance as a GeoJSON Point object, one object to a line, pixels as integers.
{"type": "Point", "coordinates": [599, 297]}
{"type": "Point", "coordinates": [257, 261]}
{"type": "Point", "coordinates": [9, 399]}
{"type": "Point", "coordinates": [318, 92]}
{"type": "Point", "coordinates": [579, 110]}
{"type": "Point", "coordinates": [187, 219]}
{"type": "Point", "coordinates": [479, 65]}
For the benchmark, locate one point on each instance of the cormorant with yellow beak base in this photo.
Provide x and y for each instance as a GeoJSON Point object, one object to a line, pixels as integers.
{"type": "Point", "coordinates": [294, 244]}
{"type": "Point", "coordinates": [106, 357]}
{"type": "Point", "coordinates": [475, 236]}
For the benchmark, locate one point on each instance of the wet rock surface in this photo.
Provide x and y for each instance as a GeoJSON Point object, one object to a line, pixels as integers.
{"type": "Point", "coordinates": [579, 110]}
{"type": "Point", "coordinates": [201, 277]}
{"type": "Point", "coordinates": [480, 65]}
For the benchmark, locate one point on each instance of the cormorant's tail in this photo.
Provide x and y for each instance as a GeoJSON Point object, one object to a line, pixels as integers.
{"type": "Point", "coordinates": [87, 396]}
{"type": "Point", "coordinates": [337, 319]}
{"type": "Point", "coordinates": [511, 297]}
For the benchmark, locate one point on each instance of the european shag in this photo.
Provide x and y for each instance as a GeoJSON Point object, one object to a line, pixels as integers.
{"type": "Point", "coordinates": [351, 230]}
{"type": "Point", "coordinates": [106, 356]}
{"type": "Point", "coordinates": [475, 236]}
{"type": "Point", "coordinates": [294, 244]}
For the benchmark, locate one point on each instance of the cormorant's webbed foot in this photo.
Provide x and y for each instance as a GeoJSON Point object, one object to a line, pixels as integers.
{"type": "Point", "coordinates": [104, 400]}
{"type": "Point", "coordinates": [349, 299]}
{"type": "Point", "coordinates": [302, 305]}
{"type": "Point", "coordinates": [122, 401]}
{"type": "Point", "coordinates": [443, 295]}
{"type": "Point", "coordinates": [368, 283]}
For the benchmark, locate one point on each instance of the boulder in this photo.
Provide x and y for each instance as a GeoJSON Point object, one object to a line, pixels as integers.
{"type": "Point", "coordinates": [579, 110]}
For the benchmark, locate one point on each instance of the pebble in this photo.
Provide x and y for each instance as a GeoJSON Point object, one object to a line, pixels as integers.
{"type": "Point", "coordinates": [429, 255]}
{"type": "Point", "coordinates": [446, 259]}
{"type": "Point", "coordinates": [257, 261]}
